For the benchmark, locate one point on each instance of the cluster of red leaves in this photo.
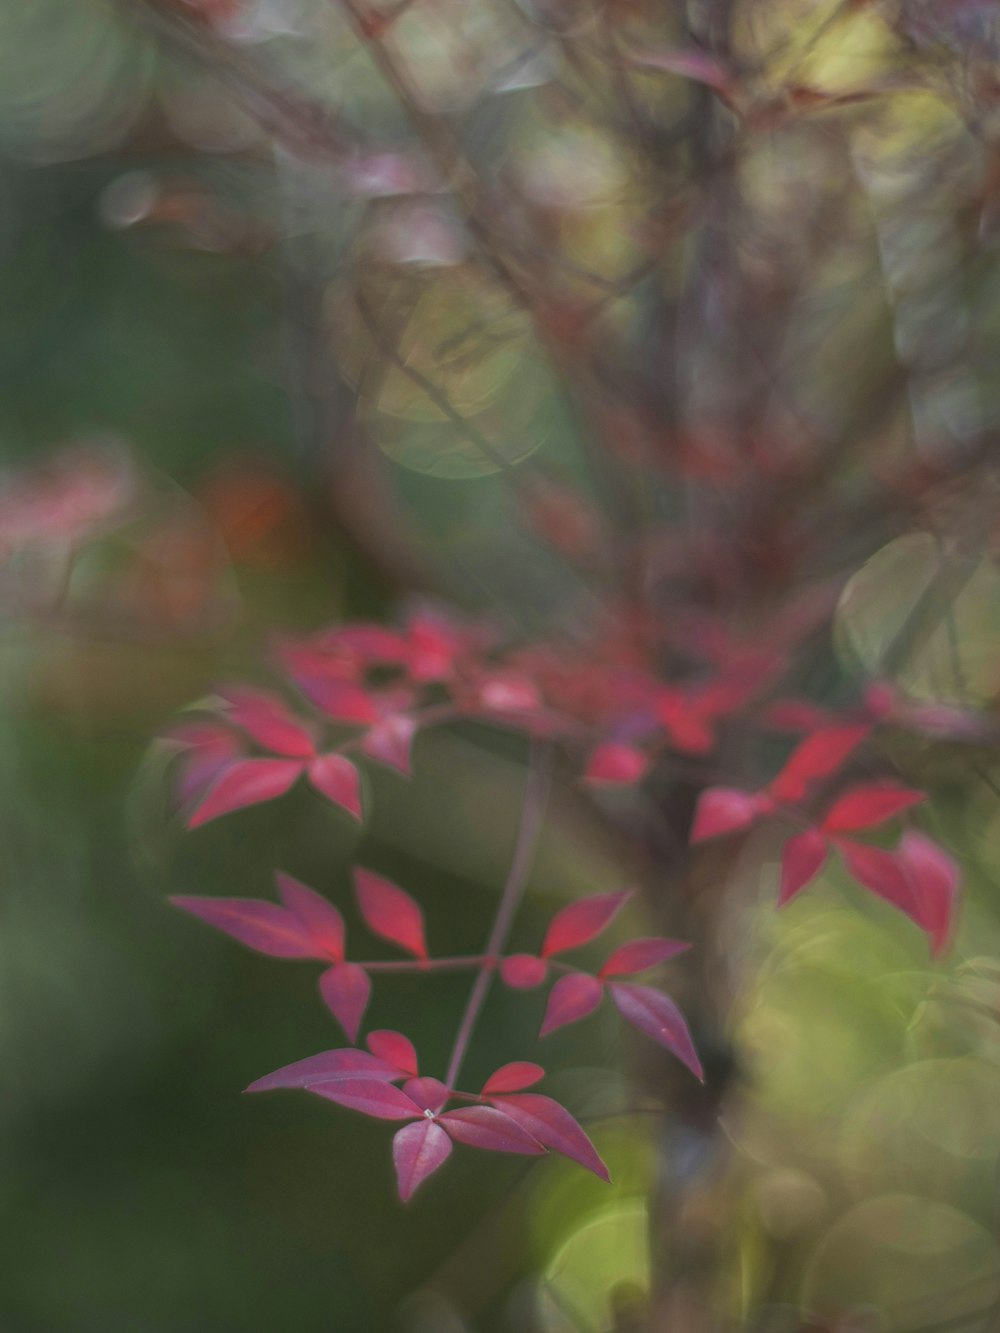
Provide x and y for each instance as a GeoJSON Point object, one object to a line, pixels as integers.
{"type": "Point", "coordinates": [364, 691]}
{"type": "Point", "coordinates": [917, 876]}
{"type": "Point", "coordinates": [501, 1117]}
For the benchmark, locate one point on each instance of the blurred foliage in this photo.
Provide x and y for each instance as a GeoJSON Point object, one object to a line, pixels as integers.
{"type": "Point", "coordinates": [148, 350]}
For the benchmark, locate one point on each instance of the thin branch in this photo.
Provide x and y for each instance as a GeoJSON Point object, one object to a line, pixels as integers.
{"type": "Point", "coordinates": [536, 791]}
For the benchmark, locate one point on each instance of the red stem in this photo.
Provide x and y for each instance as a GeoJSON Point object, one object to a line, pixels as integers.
{"type": "Point", "coordinates": [536, 790]}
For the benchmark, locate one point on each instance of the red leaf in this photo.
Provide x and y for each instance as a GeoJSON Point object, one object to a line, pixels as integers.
{"type": "Point", "coordinates": [881, 873]}
{"type": "Point", "coordinates": [552, 1125]}
{"type": "Point", "coordinates": [246, 782]}
{"type": "Point", "coordinates": [817, 757]}
{"type": "Point", "coordinates": [616, 764]}
{"type": "Point", "coordinates": [513, 1077]}
{"type": "Point", "coordinates": [390, 912]}
{"type": "Point", "coordinates": [338, 780]}
{"type": "Point", "coordinates": [581, 922]}
{"type": "Point", "coordinates": [262, 926]}
{"type": "Point", "coordinates": [869, 804]}
{"type": "Point", "coordinates": [206, 752]}
{"type": "Point", "coordinates": [486, 1127]}
{"type": "Point", "coordinates": [522, 971]}
{"type": "Point", "coordinates": [394, 1049]}
{"type": "Point", "coordinates": [935, 878]}
{"type": "Point", "coordinates": [346, 988]}
{"type": "Point", "coordinates": [571, 998]}
{"type": "Point", "coordinates": [327, 1067]}
{"type": "Point", "coordinates": [801, 861]}
{"type": "Point", "coordinates": [322, 922]}
{"type": "Point", "coordinates": [430, 1094]}
{"type": "Point", "coordinates": [381, 1100]}
{"type": "Point", "coordinates": [723, 810]}
{"type": "Point", "coordinates": [266, 720]}
{"type": "Point", "coordinates": [390, 742]}
{"type": "Point", "coordinates": [638, 955]}
{"type": "Point", "coordinates": [656, 1015]}
{"type": "Point", "coordinates": [340, 700]}
{"type": "Point", "coordinates": [417, 1152]}
{"type": "Point", "coordinates": [686, 727]}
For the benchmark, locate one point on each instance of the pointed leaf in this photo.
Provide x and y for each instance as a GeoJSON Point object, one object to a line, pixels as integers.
{"type": "Point", "coordinates": [346, 988]}
{"type": "Point", "coordinates": [390, 742]}
{"type": "Point", "coordinates": [417, 1152]}
{"type": "Point", "coordinates": [723, 810]}
{"type": "Point", "coordinates": [327, 1067]}
{"type": "Point", "coordinates": [801, 861]}
{"type": "Point", "coordinates": [616, 764]}
{"type": "Point", "coordinates": [390, 912]}
{"type": "Point", "coordinates": [322, 922]}
{"type": "Point", "coordinates": [638, 955]}
{"type": "Point", "coordinates": [340, 700]}
{"type": "Point", "coordinates": [266, 720]}
{"type": "Point", "coordinates": [935, 877]}
{"type": "Point", "coordinates": [553, 1126]}
{"type": "Point", "coordinates": [571, 998]}
{"type": "Point", "coordinates": [246, 782]}
{"type": "Point", "coordinates": [430, 1094]}
{"type": "Point", "coordinates": [262, 926]}
{"type": "Point", "coordinates": [869, 804]}
{"type": "Point", "coordinates": [522, 971]}
{"type": "Point", "coordinates": [881, 873]}
{"type": "Point", "coordinates": [656, 1015]}
{"type": "Point", "coordinates": [818, 756]}
{"type": "Point", "coordinates": [513, 1077]}
{"type": "Point", "coordinates": [206, 751]}
{"type": "Point", "coordinates": [486, 1127]}
{"type": "Point", "coordinates": [581, 922]}
{"type": "Point", "coordinates": [394, 1048]}
{"type": "Point", "coordinates": [338, 780]}
{"type": "Point", "coordinates": [381, 1100]}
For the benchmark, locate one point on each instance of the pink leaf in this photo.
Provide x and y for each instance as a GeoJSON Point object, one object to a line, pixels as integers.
{"type": "Point", "coordinates": [346, 988]}
{"type": "Point", "coordinates": [486, 1127]}
{"type": "Point", "coordinates": [553, 1126]}
{"type": "Point", "coordinates": [266, 720]}
{"type": "Point", "coordinates": [390, 912]}
{"type": "Point", "coordinates": [658, 1017]}
{"type": "Point", "coordinates": [246, 782]}
{"type": "Point", "coordinates": [340, 700]}
{"type": "Point", "coordinates": [723, 810]}
{"type": "Point", "coordinates": [935, 878]}
{"type": "Point", "coordinates": [206, 752]}
{"type": "Point", "coordinates": [417, 1152]}
{"type": "Point", "coordinates": [322, 922]}
{"type": "Point", "coordinates": [394, 1049]}
{"type": "Point", "coordinates": [327, 1067]}
{"type": "Point", "coordinates": [522, 971]}
{"type": "Point", "coordinates": [638, 955]}
{"type": "Point", "coordinates": [688, 64]}
{"type": "Point", "coordinates": [616, 764]}
{"type": "Point", "coordinates": [390, 741]}
{"type": "Point", "coordinates": [381, 1100]}
{"type": "Point", "coordinates": [571, 998]}
{"type": "Point", "coordinates": [262, 926]}
{"type": "Point", "coordinates": [801, 861]}
{"type": "Point", "coordinates": [869, 804]}
{"type": "Point", "coordinates": [513, 1077]}
{"type": "Point", "coordinates": [881, 873]}
{"type": "Point", "coordinates": [430, 1094]}
{"type": "Point", "coordinates": [338, 780]}
{"type": "Point", "coordinates": [818, 756]}
{"type": "Point", "coordinates": [581, 922]}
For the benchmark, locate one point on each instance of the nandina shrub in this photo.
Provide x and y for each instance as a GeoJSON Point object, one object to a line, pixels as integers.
{"type": "Point", "coordinates": [685, 311]}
